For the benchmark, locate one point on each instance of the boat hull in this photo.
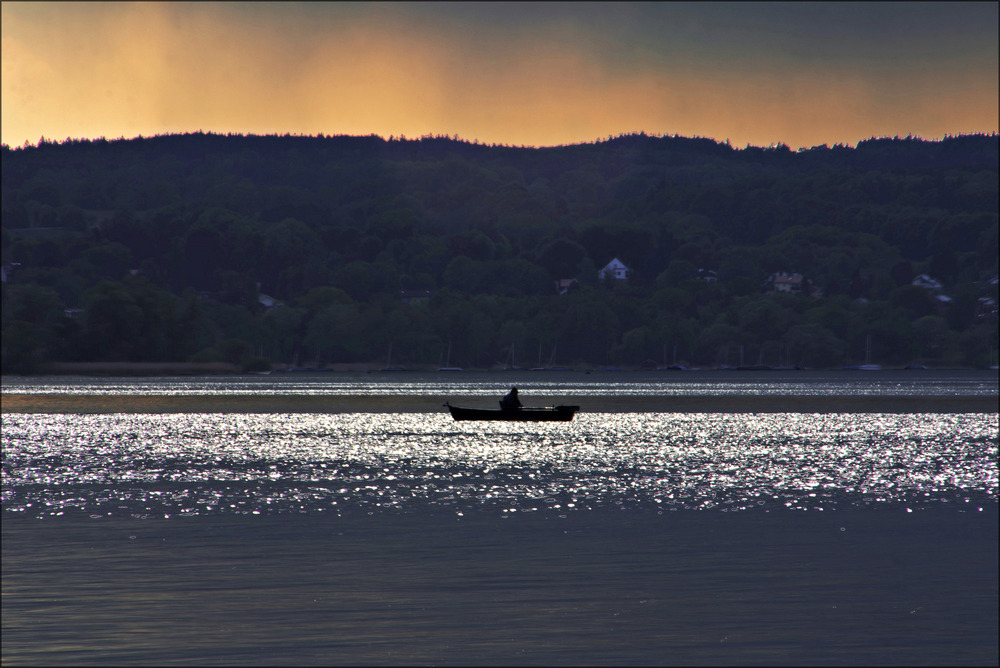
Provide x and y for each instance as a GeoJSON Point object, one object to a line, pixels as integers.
{"type": "Point", "coordinates": [555, 414]}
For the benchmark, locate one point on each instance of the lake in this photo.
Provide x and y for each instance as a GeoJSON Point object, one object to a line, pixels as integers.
{"type": "Point", "coordinates": [618, 538]}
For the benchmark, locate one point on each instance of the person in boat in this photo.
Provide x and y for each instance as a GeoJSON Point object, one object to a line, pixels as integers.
{"type": "Point", "coordinates": [511, 402]}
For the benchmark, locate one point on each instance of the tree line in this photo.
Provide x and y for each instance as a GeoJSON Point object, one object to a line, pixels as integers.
{"type": "Point", "coordinates": [302, 251]}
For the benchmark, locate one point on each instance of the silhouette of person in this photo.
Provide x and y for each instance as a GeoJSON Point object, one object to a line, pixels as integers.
{"type": "Point", "coordinates": [511, 402]}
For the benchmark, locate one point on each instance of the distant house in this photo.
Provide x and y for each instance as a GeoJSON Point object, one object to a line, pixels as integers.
{"type": "Point", "coordinates": [267, 301]}
{"type": "Point", "coordinates": [927, 283]}
{"type": "Point", "coordinates": [615, 270]}
{"type": "Point", "coordinates": [414, 296]}
{"type": "Point", "coordinates": [785, 282]}
{"type": "Point", "coordinates": [933, 286]}
{"type": "Point", "coordinates": [708, 275]}
{"type": "Point", "coordinates": [564, 285]}
{"type": "Point", "coordinates": [986, 308]}
{"type": "Point", "coordinates": [8, 269]}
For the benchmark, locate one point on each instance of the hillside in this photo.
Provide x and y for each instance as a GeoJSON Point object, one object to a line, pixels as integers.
{"type": "Point", "coordinates": [287, 250]}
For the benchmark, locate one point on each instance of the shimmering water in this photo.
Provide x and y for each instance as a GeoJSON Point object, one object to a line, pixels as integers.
{"type": "Point", "coordinates": [628, 383]}
{"type": "Point", "coordinates": [163, 465]}
{"type": "Point", "coordinates": [617, 538]}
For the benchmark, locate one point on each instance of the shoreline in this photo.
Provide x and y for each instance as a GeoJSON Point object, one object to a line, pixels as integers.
{"type": "Point", "coordinates": [182, 369]}
{"type": "Point", "coordinates": [213, 403]}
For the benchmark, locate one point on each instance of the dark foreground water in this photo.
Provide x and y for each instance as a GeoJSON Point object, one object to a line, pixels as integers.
{"type": "Point", "coordinates": [644, 539]}
{"type": "Point", "coordinates": [859, 587]}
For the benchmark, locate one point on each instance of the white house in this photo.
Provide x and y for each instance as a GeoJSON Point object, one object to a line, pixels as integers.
{"type": "Point", "coordinates": [616, 270]}
{"type": "Point", "coordinates": [927, 283]}
{"type": "Point", "coordinates": [708, 275]}
{"type": "Point", "coordinates": [267, 301]}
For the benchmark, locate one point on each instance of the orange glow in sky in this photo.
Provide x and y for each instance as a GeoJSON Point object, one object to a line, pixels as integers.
{"type": "Point", "coordinates": [534, 74]}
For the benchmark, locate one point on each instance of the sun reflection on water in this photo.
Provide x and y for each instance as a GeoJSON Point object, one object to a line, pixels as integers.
{"type": "Point", "coordinates": [483, 384]}
{"type": "Point", "coordinates": [185, 464]}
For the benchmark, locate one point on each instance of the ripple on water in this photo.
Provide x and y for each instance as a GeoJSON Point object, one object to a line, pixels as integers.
{"type": "Point", "coordinates": [183, 464]}
{"type": "Point", "coordinates": [632, 383]}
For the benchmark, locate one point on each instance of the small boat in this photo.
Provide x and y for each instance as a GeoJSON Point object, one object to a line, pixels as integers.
{"type": "Point", "coordinates": [546, 414]}
{"type": "Point", "coordinates": [447, 364]}
{"type": "Point", "coordinates": [867, 366]}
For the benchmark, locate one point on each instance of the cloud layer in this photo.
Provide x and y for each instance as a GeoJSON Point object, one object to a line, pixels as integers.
{"type": "Point", "coordinates": [521, 74]}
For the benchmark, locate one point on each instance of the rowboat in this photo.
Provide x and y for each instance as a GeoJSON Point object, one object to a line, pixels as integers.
{"type": "Point", "coordinates": [548, 414]}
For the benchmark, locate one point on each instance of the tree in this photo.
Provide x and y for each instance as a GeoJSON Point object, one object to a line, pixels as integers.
{"type": "Point", "coordinates": [209, 221]}
{"type": "Point", "coordinates": [814, 346]}
{"type": "Point", "coordinates": [333, 334]}
{"type": "Point", "coordinates": [280, 329]}
{"type": "Point", "coordinates": [561, 258]}
{"type": "Point", "coordinates": [678, 272]}
{"type": "Point", "coordinates": [112, 322]}
{"type": "Point", "coordinates": [764, 320]}
{"type": "Point", "coordinates": [932, 337]}
{"type": "Point", "coordinates": [913, 299]}
{"type": "Point", "coordinates": [589, 326]}
{"type": "Point", "coordinates": [32, 303]}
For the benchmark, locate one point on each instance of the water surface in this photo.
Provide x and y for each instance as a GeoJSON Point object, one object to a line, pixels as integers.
{"type": "Point", "coordinates": [163, 465]}
{"type": "Point", "coordinates": [403, 539]}
{"type": "Point", "coordinates": [629, 383]}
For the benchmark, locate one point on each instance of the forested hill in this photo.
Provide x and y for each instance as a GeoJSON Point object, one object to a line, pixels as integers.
{"type": "Point", "coordinates": [291, 250]}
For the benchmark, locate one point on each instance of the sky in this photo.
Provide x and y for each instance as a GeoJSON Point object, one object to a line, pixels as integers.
{"type": "Point", "coordinates": [522, 74]}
